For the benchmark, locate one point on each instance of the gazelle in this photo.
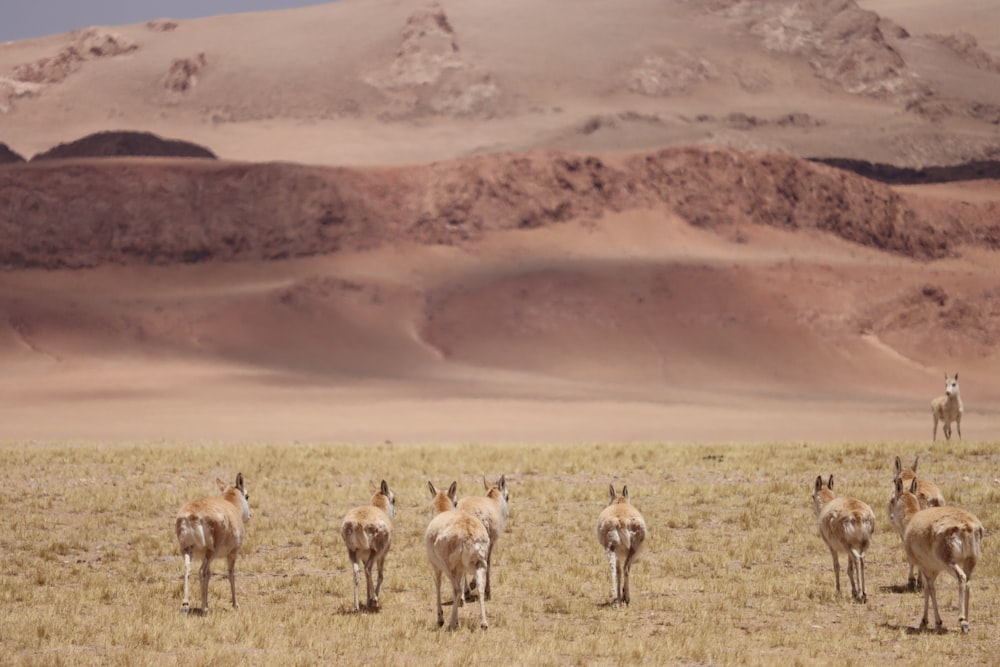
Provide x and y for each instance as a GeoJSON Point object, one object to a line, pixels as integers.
{"type": "Point", "coordinates": [457, 545]}
{"type": "Point", "coordinates": [213, 528]}
{"type": "Point", "coordinates": [948, 408]}
{"type": "Point", "coordinates": [928, 495]}
{"type": "Point", "coordinates": [621, 530]}
{"type": "Point", "coordinates": [846, 525]}
{"type": "Point", "coordinates": [367, 532]}
{"type": "Point", "coordinates": [492, 510]}
{"type": "Point", "coordinates": [938, 539]}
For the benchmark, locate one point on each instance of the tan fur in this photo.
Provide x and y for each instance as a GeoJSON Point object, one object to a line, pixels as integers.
{"type": "Point", "coordinates": [457, 545]}
{"type": "Point", "coordinates": [948, 408]}
{"type": "Point", "coordinates": [621, 530]}
{"type": "Point", "coordinates": [928, 495]}
{"type": "Point", "coordinates": [846, 525]}
{"type": "Point", "coordinates": [367, 533]}
{"type": "Point", "coordinates": [213, 528]}
{"type": "Point", "coordinates": [938, 539]}
{"type": "Point", "coordinates": [492, 510]}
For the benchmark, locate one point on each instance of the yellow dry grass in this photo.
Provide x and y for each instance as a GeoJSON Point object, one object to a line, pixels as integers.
{"type": "Point", "coordinates": [733, 570]}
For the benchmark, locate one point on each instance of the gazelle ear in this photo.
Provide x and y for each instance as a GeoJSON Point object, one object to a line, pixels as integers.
{"type": "Point", "coordinates": [625, 492]}
{"type": "Point", "coordinates": [485, 484]}
{"type": "Point", "coordinates": [913, 486]}
{"type": "Point", "coordinates": [916, 460]}
{"type": "Point", "coordinates": [502, 482]}
{"type": "Point", "coordinates": [956, 377]}
{"type": "Point", "coordinates": [239, 482]}
{"type": "Point", "coordinates": [430, 485]}
{"type": "Point", "coordinates": [384, 488]}
{"type": "Point", "coordinates": [453, 491]}
{"type": "Point", "coordinates": [829, 483]}
{"type": "Point", "coordinates": [611, 493]}
{"type": "Point", "coordinates": [899, 466]}
{"type": "Point", "coordinates": [899, 484]}
{"type": "Point", "coordinates": [819, 482]}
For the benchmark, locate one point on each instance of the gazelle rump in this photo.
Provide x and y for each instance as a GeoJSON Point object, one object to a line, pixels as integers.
{"type": "Point", "coordinates": [846, 525]}
{"type": "Point", "coordinates": [213, 528]}
{"type": "Point", "coordinates": [621, 530]}
{"type": "Point", "coordinates": [928, 495]}
{"type": "Point", "coordinates": [367, 533]}
{"type": "Point", "coordinates": [948, 408]}
{"type": "Point", "coordinates": [492, 510]}
{"type": "Point", "coordinates": [938, 539]}
{"type": "Point", "coordinates": [457, 545]}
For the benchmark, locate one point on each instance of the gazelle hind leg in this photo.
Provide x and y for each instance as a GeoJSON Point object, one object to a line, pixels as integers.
{"type": "Point", "coordinates": [836, 568]}
{"type": "Point", "coordinates": [861, 570]}
{"type": "Point", "coordinates": [205, 573]}
{"type": "Point", "coordinates": [963, 598]}
{"type": "Point", "coordinates": [626, 595]}
{"type": "Point", "coordinates": [186, 602]}
{"type": "Point", "coordinates": [613, 562]}
{"type": "Point", "coordinates": [357, 579]}
{"type": "Point", "coordinates": [437, 587]}
{"type": "Point", "coordinates": [482, 575]}
{"type": "Point", "coordinates": [456, 596]}
{"type": "Point", "coordinates": [378, 583]}
{"type": "Point", "coordinates": [231, 563]}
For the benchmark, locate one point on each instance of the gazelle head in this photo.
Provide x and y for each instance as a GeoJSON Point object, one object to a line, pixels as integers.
{"type": "Point", "coordinates": [388, 505]}
{"type": "Point", "coordinates": [442, 501]}
{"type": "Point", "coordinates": [239, 490]}
{"type": "Point", "coordinates": [822, 493]}
{"type": "Point", "coordinates": [902, 502]}
{"type": "Point", "coordinates": [614, 497]}
{"type": "Point", "coordinates": [951, 385]}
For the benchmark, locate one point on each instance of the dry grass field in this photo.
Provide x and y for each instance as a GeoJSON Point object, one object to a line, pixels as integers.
{"type": "Point", "coordinates": [733, 572]}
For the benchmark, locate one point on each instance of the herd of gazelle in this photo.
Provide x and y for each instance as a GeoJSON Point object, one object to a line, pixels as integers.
{"type": "Point", "coordinates": [936, 538]}
{"type": "Point", "coordinates": [462, 533]}
{"type": "Point", "coordinates": [459, 540]}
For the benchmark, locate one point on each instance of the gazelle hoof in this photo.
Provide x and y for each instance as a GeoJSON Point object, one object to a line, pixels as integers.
{"type": "Point", "coordinates": [965, 627]}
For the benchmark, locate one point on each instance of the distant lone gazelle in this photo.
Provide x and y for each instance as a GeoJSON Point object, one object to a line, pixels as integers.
{"type": "Point", "coordinates": [621, 530]}
{"type": "Point", "coordinates": [846, 525]}
{"type": "Point", "coordinates": [948, 408]}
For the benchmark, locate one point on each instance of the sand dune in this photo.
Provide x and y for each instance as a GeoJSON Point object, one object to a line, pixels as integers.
{"type": "Point", "coordinates": [517, 221]}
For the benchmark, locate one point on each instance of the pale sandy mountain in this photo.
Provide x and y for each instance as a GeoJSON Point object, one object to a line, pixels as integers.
{"type": "Point", "coordinates": [491, 221]}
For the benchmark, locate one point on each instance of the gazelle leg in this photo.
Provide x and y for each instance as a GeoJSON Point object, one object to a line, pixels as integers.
{"type": "Point", "coordinates": [371, 602]}
{"type": "Point", "coordinates": [437, 587]}
{"type": "Point", "coordinates": [613, 562]}
{"type": "Point", "coordinates": [482, 579]}
{"type": "Point", "coordinates": [186, 602]}
{"type": "Point", "coordinates": [231, 567]}
{"type": "Point", "coordinates": [836, 568]}
{"type": "Point", "coordinates": [357, 578]}
{"type": "Point", "coordinates": [205, 572]}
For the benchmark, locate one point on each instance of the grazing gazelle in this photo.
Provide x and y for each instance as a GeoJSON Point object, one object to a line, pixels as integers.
{"type": "Point", "coordinates": [367, 532]}
{"type": "Point", "coordinates": [621, 531]}
{"type": "Point", "coordinates": [213, 528]}
{"type": "Point", "coordinates": [846, 525]}
{"type": "Point", "coordinates": [457, 545]}
{"type": "Point", "coordinates": [928, 495]}
{"type": "Point", "coordinates": [948, 408]}
{"type": "Point", "coordinates": [938, 539]}
{"type": "Point", "coordinates": [493, 510]}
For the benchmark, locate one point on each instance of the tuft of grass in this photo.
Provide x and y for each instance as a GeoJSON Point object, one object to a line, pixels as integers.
{"type": "Point", "coordinates": [733, 570]}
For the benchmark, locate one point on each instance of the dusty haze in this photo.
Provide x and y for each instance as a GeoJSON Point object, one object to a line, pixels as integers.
{"type": "Point", "coordinates": [555, 221]}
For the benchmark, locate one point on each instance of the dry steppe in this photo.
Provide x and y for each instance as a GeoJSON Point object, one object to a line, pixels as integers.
{"type": "Point", "coordinates": [733, 571]}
